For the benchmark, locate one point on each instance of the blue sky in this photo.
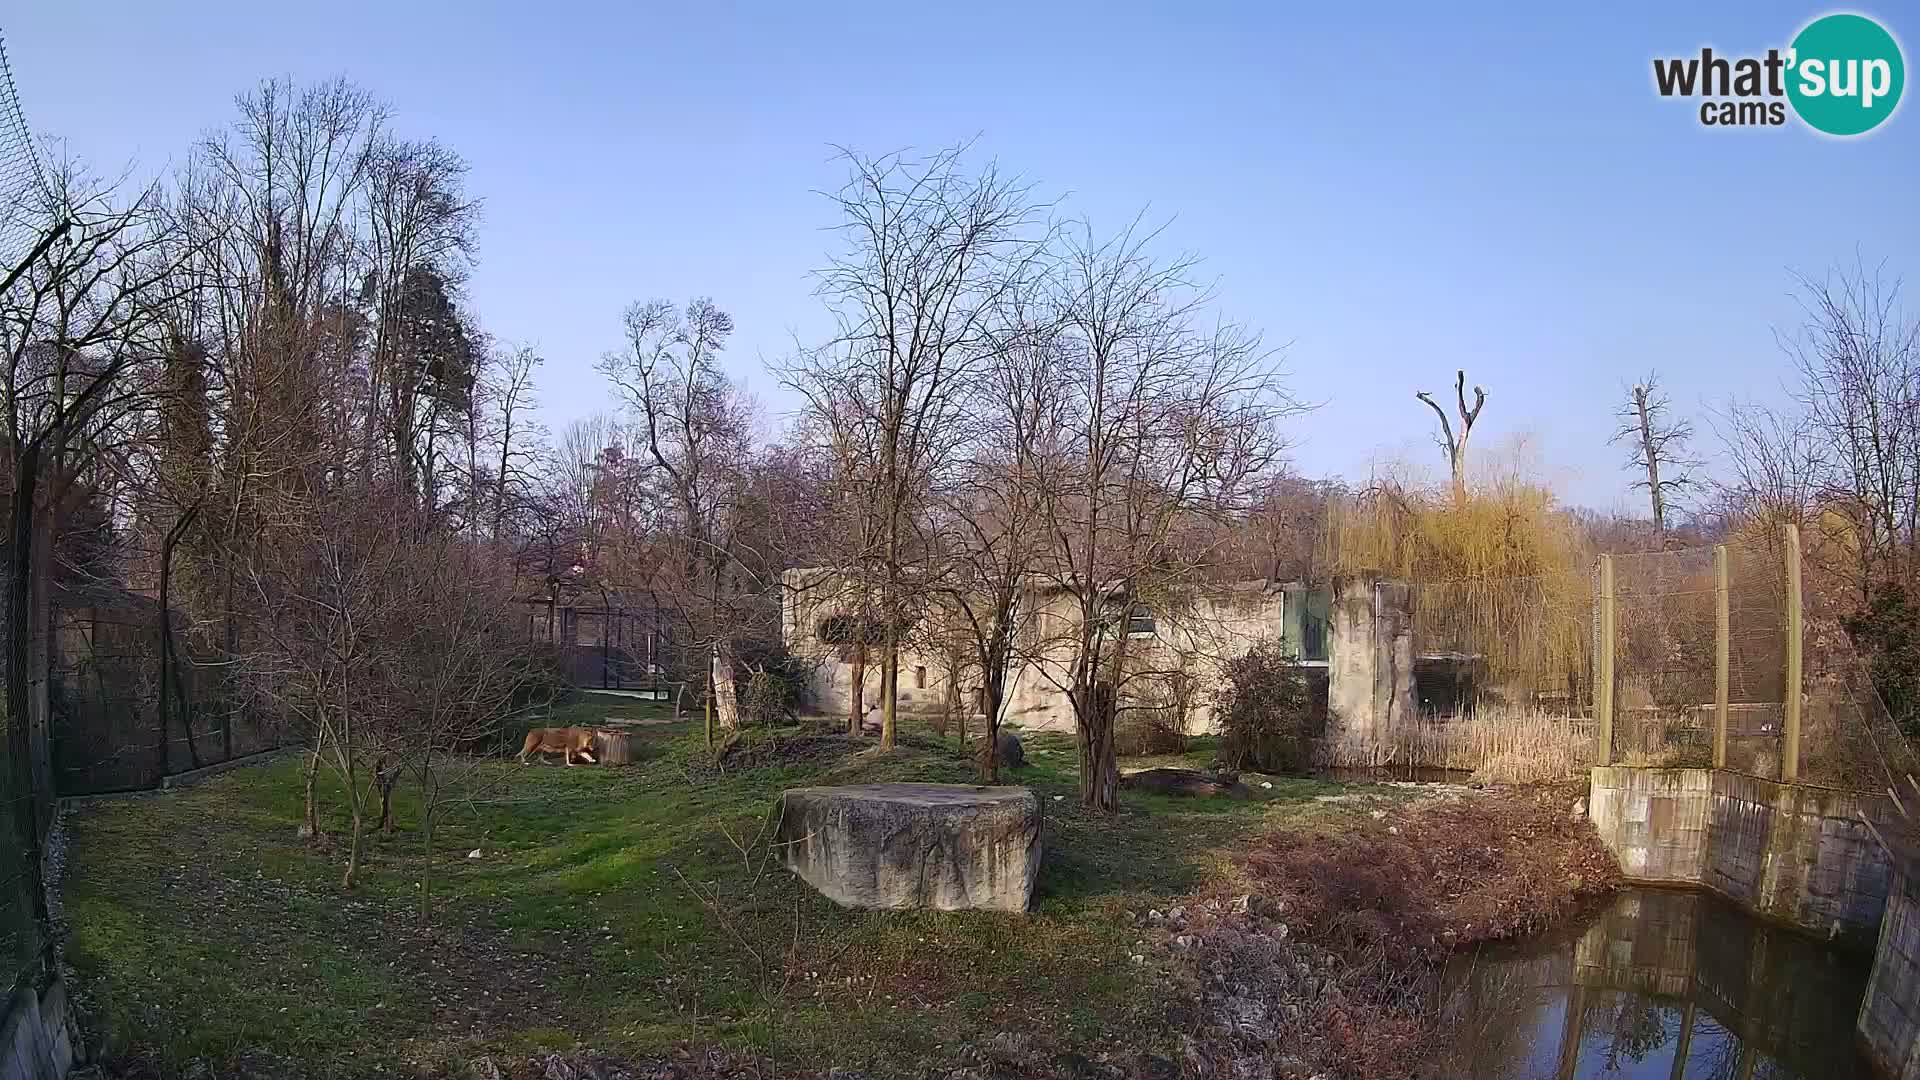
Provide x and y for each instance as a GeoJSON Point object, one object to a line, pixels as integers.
{"type": "Point", "coordinates": [1396, 190]}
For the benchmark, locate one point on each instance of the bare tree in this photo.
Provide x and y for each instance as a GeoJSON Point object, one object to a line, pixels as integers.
{"type": "Point", "coordinates": [76, 329]}
{"type": "Point", "coordinates": [419, 239]}
{"type": "Point", "coordinates": [991, 520]}
{"type": "Point", "coordinates": [1166, 421]}
{"type": "Point", "coordinates": [79, 331]}
{"type": "Point", "coordinates": [930, 251]}
{"type": "Point", "coordinates": [1772, 461]}
{"type": "Point", "coordinates": [1659, 446]}
{"type": "Point", "coordinates": [1858, 360]}
{"type": "Point", "coordinates": [509, 388]}
{"type": "Point", "coordinates": [1452, 444]}
{"type": "Point", "coordinates": [694, 427]}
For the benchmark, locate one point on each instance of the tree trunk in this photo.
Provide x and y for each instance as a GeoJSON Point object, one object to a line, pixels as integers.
{"type": "Point", "coordinates": [40, 645]}
{"type": "Point", "coordinates": [429, 799]}
{"type": "Point", "coordinates": [889, 695]}
{"type": "Point", "coordinates": [386, 775]}
{"type": "Point", "coordinates": [27, 771]}
{"type": "Point", "coordinates": [229, 639]}
{"type": "Point", "coordinates": [710, 692]}
{"type": "Point", "coordinates": [1099, 768]}
{"type": "Point", "coordinates": [168, 683]}
{"type": "Point", "coordinates": [857, 692]}
{"type": "Point", "coordinates": [954, 715]}
{"type": "Point", "coordinates": [312, 779]}
{"type": "Point", "coordinates": [1651, 454]}
{"type": "Point", "coordinates": [990, 753]}
{"type": "Point", "coordinates": [353, 850]}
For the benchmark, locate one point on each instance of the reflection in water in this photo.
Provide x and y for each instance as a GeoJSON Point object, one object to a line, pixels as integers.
{"type": "Point", "coordinates": [1660, 984]}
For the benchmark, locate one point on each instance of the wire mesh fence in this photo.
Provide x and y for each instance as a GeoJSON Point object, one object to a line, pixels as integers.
{"type": "Point", "coordinates": [22, 808]}
{"type": "Point", "coordinates": [21, 181]}
{"type": "Point", "coordinates": [109, 732]}
{"type": "Point", "coordinates": [1637, 664]}
{"type": "Point", "coordinates": [1699, 631]}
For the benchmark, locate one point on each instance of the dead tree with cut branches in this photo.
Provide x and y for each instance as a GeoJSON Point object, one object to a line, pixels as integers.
{"type": "Point", "coordinates": [1452, 444]}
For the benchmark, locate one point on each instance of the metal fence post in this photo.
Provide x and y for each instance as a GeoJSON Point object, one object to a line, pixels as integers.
{"type": "Point", "coordinates": [1790, 751]}
{"type": "Point", "coordinates": [1603, 679]}
{"type": "Point", "coordinates": [1722, 646]}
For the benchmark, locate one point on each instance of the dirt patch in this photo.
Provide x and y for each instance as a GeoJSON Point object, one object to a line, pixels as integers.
{"type": "Point", "coordinates": [1325, 963]}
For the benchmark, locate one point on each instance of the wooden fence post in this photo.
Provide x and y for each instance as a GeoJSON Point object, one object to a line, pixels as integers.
{"type": "Point", "coordinates": [1722, 647]}
{"type": "Point", "coordinates": [1790, 751]}
{"type": "Point", "coordinates": [1603, 679]}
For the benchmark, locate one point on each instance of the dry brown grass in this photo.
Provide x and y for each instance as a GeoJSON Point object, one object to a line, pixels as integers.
{"type": "Point", "coordinates": [1330, 955]}
{"type": "Point", "coordinates": [1501, 745]}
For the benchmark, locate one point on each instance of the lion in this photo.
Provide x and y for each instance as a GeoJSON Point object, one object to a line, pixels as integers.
{"type": "Point", "coordinates": [565, 741]}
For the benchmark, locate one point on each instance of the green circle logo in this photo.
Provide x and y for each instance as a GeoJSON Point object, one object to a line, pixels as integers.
{"type": "Point", "coordinates": [1845, 74]}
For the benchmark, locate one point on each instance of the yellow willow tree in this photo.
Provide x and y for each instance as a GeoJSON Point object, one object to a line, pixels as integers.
{"type": "Point", "coordinates": [1500, 571]}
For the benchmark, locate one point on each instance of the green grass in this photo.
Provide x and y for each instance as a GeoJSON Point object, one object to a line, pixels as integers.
{"type": "Point", "coordinates": [611, 907]}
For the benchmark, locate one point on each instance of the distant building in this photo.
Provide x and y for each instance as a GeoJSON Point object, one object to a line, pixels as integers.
{"type": "Point", "coordinates": [606, 641]}
{"type": "Point", "coordinates": [1353, 636]}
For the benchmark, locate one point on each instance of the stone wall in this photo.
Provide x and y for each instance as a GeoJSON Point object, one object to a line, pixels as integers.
{"type": "Point", "coordinates": [36, 1042]}
{"type": "Point", "coordinates": [1795, 853]}
{"type": "Point", "coordinates": [1654, 821]}
{"type": "Point", "coordinates": [1800, 854]}
{"type": "Point", "coordinates": [1370, 678]}
{"type": "Point", "coordinates": [1369, 674]}
{"type": "Point", "coordinates": [1889, 1024]}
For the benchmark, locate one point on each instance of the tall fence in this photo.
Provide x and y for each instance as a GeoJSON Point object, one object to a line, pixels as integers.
{"type": "Point", "coordinates": [108, 728]}
{"type": "Point", "coordinates": [1711, 657]}
{"type": "Point", "coordinates": [22, 937]}
{"type": "Point", "coordinates": [1732, 656]}
{"type": "Point", "coordinates": [23, 809]}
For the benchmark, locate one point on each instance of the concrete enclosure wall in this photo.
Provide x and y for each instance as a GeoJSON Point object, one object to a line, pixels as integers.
{"type": "Point", "coordinates": [1184, 648]}
{"type": "Point", "coordinates": [1800, 854]}
{"type": "Point", "coordinates": [1889, 1024]}
{"type": "Point", "coordinates": [1791, 852]}
{"type": "Point", "coordinates": [1654, 821]}
{"type": "Point", "coordinates": [1370, 683]}
{"type": "Point", "coordinates": [36, 1042]}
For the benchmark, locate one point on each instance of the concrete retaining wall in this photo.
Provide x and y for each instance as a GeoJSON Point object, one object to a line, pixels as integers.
{"type": "Point", "coordinates": [1654, 821]}
{"type": "Point", "coordinates": [1799, 854]}
{"type": "Point", "coordinates": [1791, 852]}
{"type": "Point", "coordinates": [35, 1040]}
{"type": "Point", "coordinates": [1889, 1023]}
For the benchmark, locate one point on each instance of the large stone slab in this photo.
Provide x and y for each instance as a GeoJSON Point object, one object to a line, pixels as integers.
{"type": "Point", "coordinates": [941, 846]}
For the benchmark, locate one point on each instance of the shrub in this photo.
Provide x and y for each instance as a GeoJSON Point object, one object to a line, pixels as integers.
{"type": "Point", "coordinates": [1887, 632]}
{"type": "Point", "coordinates": [775, 689]}
{"type": "Point", "coordinates": [1266, 715]}
{"type": "Point", "coordinates": [1155, 721]}
{"type": "Point", "coordinates": [1146, 732]}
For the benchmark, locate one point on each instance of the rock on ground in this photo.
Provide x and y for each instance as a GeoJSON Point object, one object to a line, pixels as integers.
{"type": "Point", "coordinates": [1185, 782]}
{"type": "Point", "coordinates": [1012, 755]}
{"type": "Point", "coordinates": [942, 846]}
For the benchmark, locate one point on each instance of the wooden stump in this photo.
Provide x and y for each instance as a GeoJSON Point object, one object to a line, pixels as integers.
{"type": "Point", "coordinates": [613, 747]}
